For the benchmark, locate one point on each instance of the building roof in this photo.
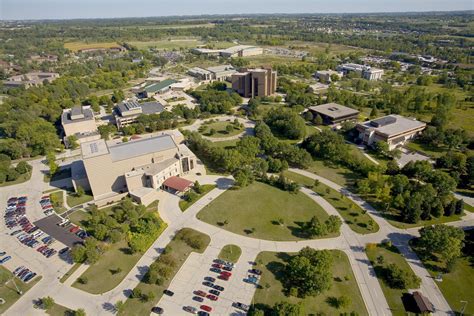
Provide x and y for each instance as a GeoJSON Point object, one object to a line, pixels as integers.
{"type": "Point", "coordinates": [392, 125]}
{"type": "Point", "coordinates": [236, 49]}
{"type": "Point", "coordinates": [334, 110]}
{"type": "Point", "coordinates": [178, 184]}
{"type": "Point", "coordinates": [141, 147]}
{"type": "Point", "coordinates": [423, 304]}
{"type": "Point", "coordinates": [157, 86]}
{"type": "Point", "coordinates": [221, 68]}
{"type": "Point", "coordinates": [94, 148]}
{"type": "Point", "coordinates": [76, 114]}
{"type": "Point", "coordinates": [199, 70]}
{"type": "Point", "coordinates": [131, 107]}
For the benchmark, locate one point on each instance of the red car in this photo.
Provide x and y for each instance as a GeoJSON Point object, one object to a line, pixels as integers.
{"type": "Point", "coordinates": [223, 277]}
{"type": "Point", "coordinates": [200, 293]}
{"type": "Point", "coordinates": [74, 229]}
{"type": "Point", "coordinates": [228, 274]}
{"type": "Point", "coordinates": [217, 265]}
{"type": "Point", "coordinates": [206, 308]}
{"type": "Point", "coordinates": [212, 297]}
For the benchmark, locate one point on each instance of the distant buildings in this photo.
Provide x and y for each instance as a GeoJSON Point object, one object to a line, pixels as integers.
{"type": "Point", "coordinates": [333, 113]}
{"type": "Point", "coordinates": [138, 167]}
{"type": "Point", "coordinates": [251, 83]}
{"type": "Point", "coordinates": [325, 75]}
{"type": "Point", "coordinates": [216, 73]}
{"type": "Point", "coordinates": [111, 49]}
{"type": "Point", "coordinates": [79, 122]}
{"type": "Point", "coordinates": [234, 51]}
{"type": "Point", "coordinates": [393, 129]}
{"type": "Point", "coordinates": [127, 112]}
{"type": "Point", "coordinates": [155, 88]}
{"type": "Point", "coordinates": [365, 72]}
{"type": "Point", "coordinates": [43, 58]}
{"type": "Point", "coordinates": [31, 79]}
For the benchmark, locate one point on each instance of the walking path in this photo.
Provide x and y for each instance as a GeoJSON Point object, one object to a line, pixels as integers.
{"type": "Point", "coordinates": [350, 242]}
{"type": "Point", "coordinates": [248, 125]}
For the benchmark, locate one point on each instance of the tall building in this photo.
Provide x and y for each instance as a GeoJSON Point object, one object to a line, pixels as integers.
{"type": "Point", "coordinates": [252, 83]}
{"type": "Point", "coordinates": [80, 122]}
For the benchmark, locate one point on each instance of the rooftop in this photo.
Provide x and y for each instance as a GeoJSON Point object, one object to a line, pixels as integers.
{"type": "Point", "coordinates": [221, 68]}
{"type": "Point", "coordinates": [178, 184]}
{"type": "Point", "coordinates": [334, 110]}
{"type": "Point", "coordinates": [155, 87]}
{"type": "Point", "coordinates": [392, 125]}
{"type": "Point", "coordinates": [151, 107]}
{"type": "Point", "coordinates": [76, 114]}
{"type": "Point", "coordinates": [235, 49]}
{"type": "Point", "coordinates": [141, 147]}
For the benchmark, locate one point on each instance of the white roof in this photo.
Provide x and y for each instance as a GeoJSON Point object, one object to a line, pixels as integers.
{"type": "Point", "coordinates": [392, 125]}
{"type": "Point", "coordinates": [141, 147]}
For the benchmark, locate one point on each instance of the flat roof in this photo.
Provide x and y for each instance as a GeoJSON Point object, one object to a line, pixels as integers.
{"type": "Point", "coordinates": [157, 86]}
{"type": "Point", "coordinates": [141, 147]}
{"type": "Point", "coordinates": [235, 49]}
{"type": "Point", "coordinates": [66, 115]}
{"type": "Point", "coordinates": [393, 124]}
{"type": "Point", "coordinates": [199, 70]}
{"type": "Point", "coordinates": [334, 110]}
{"type": "Point", "coordinates": [94, 148]}
{"type": "Point", "coordinates": [221, 68]}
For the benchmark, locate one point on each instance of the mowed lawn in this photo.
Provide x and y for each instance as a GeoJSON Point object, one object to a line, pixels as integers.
{"type": "Point", "coordinates": [256, 209]}
{"type": "Point", "coordinates": [230, 253]}
{"type": "Point", "coordinates": [271, 289]}
{"type": "Point", "coordinates": [353, 215]}
{"type": "Point", "coordinates": [76, 46]}
{"type": "Point", "coordinates": [220, 129]}
{"type": "Point", "coordinates": [8, 290]}
{"type": "Point", "coordinates": [168, 44]}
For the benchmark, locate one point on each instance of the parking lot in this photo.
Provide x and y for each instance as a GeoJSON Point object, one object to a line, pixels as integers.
{"type": "Point", "coordinates": [191, 276]}
{"type": "Point", "coordinates": [50, 227]}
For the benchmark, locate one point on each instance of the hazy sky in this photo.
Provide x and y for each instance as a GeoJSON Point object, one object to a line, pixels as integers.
{"type": "Point", "coordinates": [69, 9]}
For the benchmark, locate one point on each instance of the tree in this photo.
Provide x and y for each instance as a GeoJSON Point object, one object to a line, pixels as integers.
{"type": "Point", "coordinates": [374, 113]}
{"type": "Point", "coordinates": [398, 278]}
{"type": "Point", "coordinates": [72, 141]}
{"type": "Point", "coordinates": [287, 309]}
{"type": "Point", "coordinates": [53, 166]}
{"type": "Point", "coordinates": [80, 191]}
{"type": "Point", "coordinates": [80, 312]}
{"type": "Point", "coordinates": [23, 167]}
{"type": "Point", "coordinates": [318, 120]}
{"type": "Point", "coordinates": [229, 128]}
{"type": "Point", "coordinates": [308, 116]}
{"type": "Point", "coordinates": [47, 302]}
{"type": "Point", "coordinates": [447, 241]}
{"type": "Point", "coordinates": [119, 307]}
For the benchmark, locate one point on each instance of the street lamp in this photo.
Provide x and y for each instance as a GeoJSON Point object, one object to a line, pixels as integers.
{"type": "Point", "coordinates": [463, 308]}
{"type": "Point", "coordinates": [20, 292]}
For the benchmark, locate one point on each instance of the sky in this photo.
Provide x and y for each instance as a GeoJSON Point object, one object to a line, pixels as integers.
{"type": "Point", "coordinates": [72, 9]}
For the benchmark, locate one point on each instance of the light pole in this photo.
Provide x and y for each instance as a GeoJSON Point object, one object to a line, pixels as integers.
{"type": "Point", "coordinates": [20, 292]}
{"type": "Point", "coordinates": [463, 308]}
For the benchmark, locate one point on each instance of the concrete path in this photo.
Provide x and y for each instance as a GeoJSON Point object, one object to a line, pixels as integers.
{"type": "Point", "coordinates": [248, 125]}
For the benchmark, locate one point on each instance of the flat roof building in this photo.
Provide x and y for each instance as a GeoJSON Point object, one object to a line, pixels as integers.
{"type": "Point", "coordinates": [200, 73]}
{"type": "Point", "coordinates": [219, 73]}
{"type": "Point", "coordinates": [234, 51]}
{"type": "Point", "coordinates": [138, 167]}
{"type": "Point", "coordinates": [127, 112]}
{"type": "Point", "coordinates": [251, 83]}
{"type": "Point", "coordinates": [364, 71]}
{"type": "Point", "coordinates": [80, 122]}
{"type": "Point", "coordinates": [325, 75]}
{"type": "Point", "coordinates": [393, 129]}
{"type": "Point", "coordinates": [31, 79]}
{"type": "Point", "coordinates": [333, 113]}
{"type": "Point", "coordinates": [157, 87]}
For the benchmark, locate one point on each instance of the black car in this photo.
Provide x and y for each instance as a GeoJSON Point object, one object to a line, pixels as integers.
{"type": "Point", "coordinates": [198, 299]}
{"type": "Point", "coordinates": [203, 313]}
{"type": "Point", "coordinates": [210, 279]}
{"type": "Point", "coordinates": [168, 292]}
{"type": "Point", "coordinates": [215, 292]}
{"type": "Point", "coordinates": [255, 271]}
{"type": "Point", "coordinates": [207, 283]}
{"type": "Point", "coordinates": [216, 270]}
{"type": "Point", "coordinates": [64, 250]}
{"type": "Point", "coordinates": [218, 287]}
{"type": "Point", "coordinates": [157, 310]}
{"type": "Point", "coordinates": [227, 268]}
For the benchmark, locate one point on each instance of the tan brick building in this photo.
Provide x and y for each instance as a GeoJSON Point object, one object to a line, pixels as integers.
{"type": "Point", "coordinates": [80, 122]}
{"type": "Point", "coordinates": [251, 83]}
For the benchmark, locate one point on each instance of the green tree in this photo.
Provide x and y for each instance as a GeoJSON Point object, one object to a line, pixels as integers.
{"type": "Point", "coordinates": [80, 191]}
{"type": "Point", "coordinates": [119, 307]}
{"type": "Point", "coordinates": [47, 302]}
{"type": "Point", "coordinates": [288, 309]}
{"type": "Point", "coordinates": [53, 166]}
{"type": "Point", "coordinates": [72, 141]}
{"type": "Point", "coordinates": [80, 312]}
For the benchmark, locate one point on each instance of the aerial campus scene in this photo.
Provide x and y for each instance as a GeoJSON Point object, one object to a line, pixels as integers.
{"type": "Point", "coordinates": [244, 157]}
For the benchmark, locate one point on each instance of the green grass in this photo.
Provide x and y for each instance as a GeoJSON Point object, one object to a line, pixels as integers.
{"type": "Point", "coordinates": [230, 253]}
{"type": "Point", "coordinates": [226, 144]}
{"type": "Point", "coordinates": [394, 219]}
{"type": "Point", "coordinates": [166, 44]}
{"type": "Point", "coordinates": [357, 219]}
{"type": "Point", "coordinates": [271, 290]}
{"type": "Point", "coordinates": [76, 46]}
{"type": "Point", "coordinates": [70, 272]}
{"type": "Point", "coordinates": [21, 178]}
{"type": "Point", "coordinates": [73, 200]}
{"type": "Point", "coordinates": [79, 217]}
{"type": "Point", "coordinates": [457, 285]}
{"type": "Point", "coordinates": [59, 310]}
{"type": "Point", "coordinates": [8, 291]}
{"type": "Point", "coordinates": [430, 151]}
{"type": "Point", "coordinates": [337, 174]}
{"type": "Point", "coordinates": [59, 197]}
{"type": "Point", "coordinates": [255, 210]}
{"type": "Point", "coordinates": [390, 255]}
{"type": "Point", "coordinates": [180, 250]}
{"type": "Point", "coordinates": [220, 129]}
{"type": "Point", "coordinates": [112, 267]}
{"type": "Point", "coordinates": [206, 188]}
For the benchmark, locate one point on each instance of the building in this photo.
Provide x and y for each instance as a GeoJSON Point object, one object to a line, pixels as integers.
{"type": "Point", "coordinates": [139, 168]}
{"type": "Point", "coordinates": [206, 51]}
{"type": "Point", "coordinates": [252, 83]}
{"type": "Point", "coordinates": [234, 51]}
{"type": "Point", "coordinates": [80, 122]}
{"type": "Point", "coordinates": [219, 73]}
{"type": "Point", "coordinates": [333, 113]}
{"type": "Point", "coordinates": [325, 75]}
{"type": "Point", "coordinates": [155, 88]}
{"type": "Point", "coordinates": [365, 72]}
{"type": "Point", "coordinates": [392, 129]}
{"type": "Point", "coordinates": [31, 79]}
{"type": "Point", "coordinates": [127, 112]}
{"type": "Point", "coordinates": [423, 304]}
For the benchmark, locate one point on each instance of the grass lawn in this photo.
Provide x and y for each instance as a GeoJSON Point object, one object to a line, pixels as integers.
{"type": "Point", "coordinates": [8, 291]}
{"type": "Point", "coordinates": [73, 200]}
{"type": "Point", "coordinates": [271, 291]}
{"type": "Point", "coordinates": [230, 253]}
{"type": "Point", "coordinates": [59, 310]}
{"type": "Point", "coordinates": [70, 272]}
{"type": "Point", "coordinates": [430, 151]}
{"type": "Point", "coordinates": [21, 178]}
{"type": "Point", "coordinates": [458, 284]}
{"type": "Point", "coordinates": [220, 129]}
{"type": "Point", "coordinates": [394, 219]}
{"type": "Point", "coordinates": [256, 209]}
{"type": "Point", "coordinates": [184, 205]}
{"type": "Point", "coordinates": [79, 217]}
{"type": "Point", "coordinates": [226, 144]}
{"type": "Point", "coordinates": [76, 46]}
{"type": "Point", "coordinates": [390, 255]}
{"type": "Point", "coordinates": [180, 251]}
{"type": "Point", "coordinates": [357, 219]}
{"type": "Point", "coordinates": [167, 44]}
{"type": "Point", "coordinates": [337, 174]}
{"type": "Point", "coordinates": [57, 200]}
{"type": "Point", "coordinates": [112, 267]}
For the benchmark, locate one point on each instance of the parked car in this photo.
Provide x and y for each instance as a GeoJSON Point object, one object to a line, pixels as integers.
{"type": "Point", "coordinates": [223, 277]}
{"type": "Point", "coordinates": [241, 306]}
{"type": "Point", "coordinates": [206, 308]}
{"type": "Point", "coordinates": [157, 310]}
{"type": "Point", "coordinates": [2, 253]}
{"type": "Point", "coordinates": [5, 259]}
{"type": "Point", "coordinates": [190, 309]}
{"type": "Point", "coordinates": [168, 292]}
{"type": "Point", "coordinates": [203, 313]}
{"type": "Point", "coordinates": [64, 250]}
{"type": "Point", "coordinates": [227, 268]}
{"type": "Point", "coordinates": [212, 297]}
{"type": "Point", "coordinates": [216, 270]}
{"type": "Point", "coordinates": [198, 298]}
{"type": "Point", "coordinates": [217, 265]}
{"type": "Point", "coordinates": [200, 293]}
{"type": "Point", "coordinates": [218, 287]}
{"type": "Point", "coordinates": [226, 273]}
{"type": "Point", "coordinates": [215, 292]}
{"type": "Point", "coordinates": [210, 279]}
{"type": "Point", "coordinates": [207, 283]}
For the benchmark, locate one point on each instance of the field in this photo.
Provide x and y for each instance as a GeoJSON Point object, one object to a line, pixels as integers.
{"type": "Point", "coordinates": [219, 130]}
{"type": "Point", "coordinates": [270, 290]}
{"type": "Point", "coordinates": [390, 255]}
{"type": "Point", "coordinates": [230, 253]}
{"type": "Point", "coordinates": [184, 205]}
{"type": "Point", "coordinates": [73, 200]}
{"type": "Point", "coordinates": [76, 46]}
{"type": "Point", "coordinates": [8, 291]}
{"type": "Point", "coordinates": [256, 211]}
{"type": "Point", "coordinates": [168, 44]}
{"type": "Point", "coordinates": [180, 251]}
{"type": "Point", "coordinates": [353, 215]}
{"type": "Point", "coordinates": [59, 310]}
